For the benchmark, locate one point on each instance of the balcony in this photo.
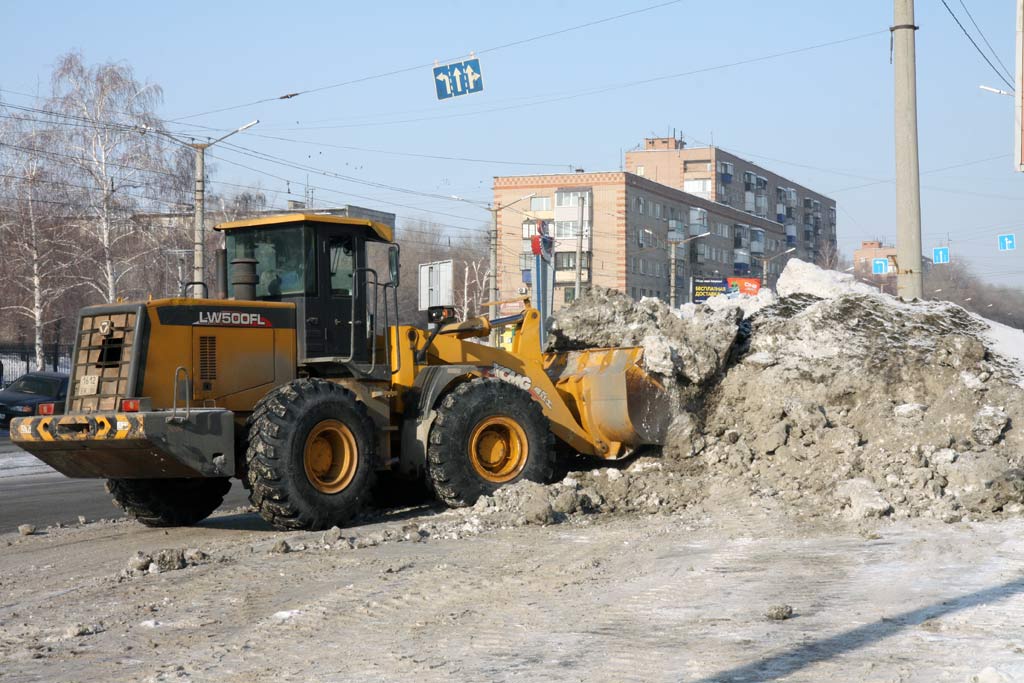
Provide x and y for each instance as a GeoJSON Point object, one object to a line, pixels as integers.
{"type": "Point", "coordinates": [726, 178]}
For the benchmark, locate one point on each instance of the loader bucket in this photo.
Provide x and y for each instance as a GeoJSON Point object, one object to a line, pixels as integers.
{"type": "Point", "coordinates": [616, 401]}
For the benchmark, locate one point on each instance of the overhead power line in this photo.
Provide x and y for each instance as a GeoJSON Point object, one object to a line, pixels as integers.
{"type": "Point", "coordinates": [980, 51]}
{"type": "Point", "coordinates": [395, 72]}
{"type": "Point", "coordinates": [981, 33]}
{"type": "Point", "coordinates": [598, 90]}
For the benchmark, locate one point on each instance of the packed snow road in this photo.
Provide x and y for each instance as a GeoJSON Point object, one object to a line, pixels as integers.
{"type": "Point", "coordinates": [603, 597]}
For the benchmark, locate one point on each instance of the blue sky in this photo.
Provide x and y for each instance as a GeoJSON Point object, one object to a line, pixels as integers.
{"type": "Point", "coordinates": [822, 117]}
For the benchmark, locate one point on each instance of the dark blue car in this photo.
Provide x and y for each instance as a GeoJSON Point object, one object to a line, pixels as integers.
{"type": "Point", "coordinates": [22, 397]}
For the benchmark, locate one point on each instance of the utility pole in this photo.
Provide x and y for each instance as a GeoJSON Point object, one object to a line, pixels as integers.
{"type": "Point", "coordinates": [908, 180]}
{"type": "Point", "coordinates": [492, 312]}
{"type": "Point", "coordinates": [672, 275]}
{"type": "Point", "coordinates": [672, 263]}
{"type": "Point", "coordinates": [199, 220]}
{"type": "Point", "coordinates": [579, 248]}
{"type": "Point", "coordinates": [199, 215]}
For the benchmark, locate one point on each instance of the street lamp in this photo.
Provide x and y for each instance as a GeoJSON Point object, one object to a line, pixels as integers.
{"type": "Point", "coordinates": [766, 261]}
{"type": "Point", "coordinates": [672, 270]}
{"type": "Point", "coordinates": [198, 272]}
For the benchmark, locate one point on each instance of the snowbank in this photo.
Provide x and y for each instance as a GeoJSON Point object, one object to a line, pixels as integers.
{"type": "Point", "coordinates": [800, 277]}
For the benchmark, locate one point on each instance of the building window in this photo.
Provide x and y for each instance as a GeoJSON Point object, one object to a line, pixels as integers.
{"type": "Point", "coordinates": [570, 294]}
{"type": "Point", "coordinates": [566, 260]}
{"type": "Point", "coordinates": [526, 261]}
{"type": "Point", "coordinates": [700, 187]}
{"type": "Point", "coordinates": [540, 203]}
{"type": "Point", "coordinates": [633, 291]}
{"type": "Point", "coordinates": [565, 229]}
{"type": "Point", "coordinates": [529, 229]}
{"type": "Point", "coordinates": [639, 170]}
{"type": "Point", "coordinates": [569, 198]}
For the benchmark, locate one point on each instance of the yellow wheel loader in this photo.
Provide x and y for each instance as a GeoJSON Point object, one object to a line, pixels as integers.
{"type": "Point", "coordinates": [297, 381]}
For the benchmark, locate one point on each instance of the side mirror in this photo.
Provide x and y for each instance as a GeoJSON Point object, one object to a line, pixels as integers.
{"type": "Point", "coordinates": [393, 264]}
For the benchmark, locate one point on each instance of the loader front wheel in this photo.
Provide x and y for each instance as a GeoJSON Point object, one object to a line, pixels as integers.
{"type": "Point", "coordinates": [311, 456]}
{"type": "Point", "coordinates": [487, 434]}
{"type": "Point", "coordinates": [169, 502]}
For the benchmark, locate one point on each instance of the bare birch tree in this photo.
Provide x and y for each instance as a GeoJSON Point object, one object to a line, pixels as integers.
{"type": "Point", "coordinates": [123, 165]}
{"type": "Point", "coordinates": [34, 227]}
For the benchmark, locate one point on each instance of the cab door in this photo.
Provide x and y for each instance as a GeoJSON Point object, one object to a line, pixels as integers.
{"type": "Point", "coordinates": [340, 293]}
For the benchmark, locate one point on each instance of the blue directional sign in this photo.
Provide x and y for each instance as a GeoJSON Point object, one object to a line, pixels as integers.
{"type": "Point", "coordinates": [940, 255]}
{"type": "Point", "coordinates": [879, 266]}
{"type": "Point", "coordinates": [458, 78]}
{"type": "Point", "coordinates": [1007, 242]}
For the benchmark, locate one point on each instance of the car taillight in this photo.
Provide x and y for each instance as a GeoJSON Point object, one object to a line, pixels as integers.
{"type": "Point", "coordinates": [130, 405]}
{"type": "Point", "coordinates": [45, 408]}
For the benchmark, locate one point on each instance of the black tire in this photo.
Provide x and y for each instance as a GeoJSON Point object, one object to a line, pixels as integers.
{"type": "Point", "coordinates": [169, 502]}
{"type": "Point", "coordinates": [472, 405]}
{"type": "Point", "coordinates": [284, 487]}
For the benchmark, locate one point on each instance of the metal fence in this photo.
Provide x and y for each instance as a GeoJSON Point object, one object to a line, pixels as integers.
{"type": "Point", "coordinates": [17, 359]}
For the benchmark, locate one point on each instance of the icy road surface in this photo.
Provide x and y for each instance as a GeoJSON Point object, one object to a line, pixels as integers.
{"type": "Point", "coordinates": [609, 598]}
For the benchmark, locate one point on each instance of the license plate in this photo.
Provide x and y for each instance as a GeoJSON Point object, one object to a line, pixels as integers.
{"type": "Point", "coordinates": [88, 385]}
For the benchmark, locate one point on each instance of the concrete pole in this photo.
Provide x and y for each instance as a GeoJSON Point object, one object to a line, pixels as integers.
{"type": "Point", "coordinates": [579, 248]}
{"type": "Point", "coordinates": [908, 181]}
{"type": "Point", "coordinates": [198, 271]}
{"type": "Point", "coordinates": [493, 276]}
{"type": "Point", "coordinates": [672, 275]}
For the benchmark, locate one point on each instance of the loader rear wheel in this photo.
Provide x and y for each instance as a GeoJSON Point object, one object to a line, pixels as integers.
{"type": "Point", "coordinates": [487, 434]}
{"type": "Point", "coordinates": [169, 502]}
{"type": "Point", "coordinates": [311, 456]}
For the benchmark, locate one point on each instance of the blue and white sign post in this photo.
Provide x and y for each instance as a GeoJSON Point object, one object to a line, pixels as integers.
{"type": "Point", "coordinates": [880, 266]}
{"type": "Point", "coordinates": [458, 78]}
{"type": "Point", "coordinates": [940, 255]}
{"type": "Point", "coordinates": [1007, 242]}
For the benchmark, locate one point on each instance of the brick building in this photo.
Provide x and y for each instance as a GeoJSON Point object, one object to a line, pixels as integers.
{"type": "Point", "coordinates": [627, 225]}
{"type": "Point", "coordinates": [808, 218]}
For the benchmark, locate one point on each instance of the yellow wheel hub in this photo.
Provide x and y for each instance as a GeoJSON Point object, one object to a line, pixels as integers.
{"type": "Point", "coordinates": [330, 456]}
{"type": "Point", "coordinates": [498, 449]}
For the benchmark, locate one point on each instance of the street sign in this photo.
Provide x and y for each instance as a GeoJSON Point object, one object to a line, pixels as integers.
{"type": "Point", "coordinates": [1007, 242]}
{"type": "Point", "coordinates": [436, 284]}
{"type": "Point", "coordinates": [458, 78]}
{"type": "Point", "coordinates": [879, 266]}
{"type": "Point", "coordinates": [940, 255]}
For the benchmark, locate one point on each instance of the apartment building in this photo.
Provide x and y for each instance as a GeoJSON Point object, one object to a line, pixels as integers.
{"type": "Point", "coordinates": [808, 217]}
{"type": "Point", "coordinates": [629, 223]}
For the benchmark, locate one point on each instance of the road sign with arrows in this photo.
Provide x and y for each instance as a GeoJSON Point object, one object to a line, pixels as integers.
{"type": "Point", "coordinates": [458, 78]}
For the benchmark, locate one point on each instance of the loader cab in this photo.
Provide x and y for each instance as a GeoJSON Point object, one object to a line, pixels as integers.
{"type": "Point", "coordinates": [319, 263]}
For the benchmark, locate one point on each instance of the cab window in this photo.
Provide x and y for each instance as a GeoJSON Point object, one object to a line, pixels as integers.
{"type": "Point", "coordinates": [286, 259]}
{"type": "Point", "coordinates": [342, 265]}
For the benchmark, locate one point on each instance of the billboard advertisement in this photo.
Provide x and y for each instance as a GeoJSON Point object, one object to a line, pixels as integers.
{"type": "Point", "coordinates": [703, 288]}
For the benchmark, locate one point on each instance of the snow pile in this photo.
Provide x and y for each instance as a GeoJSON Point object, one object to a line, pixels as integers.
{"type": "Point", "coordinates": [690, 351]}
{"type": "Point", "coordinates": [834, 400]}
{"type": "Point", "coordinates": [800, 277]}
{"type": "Point", "coordinates": [747, 304]}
